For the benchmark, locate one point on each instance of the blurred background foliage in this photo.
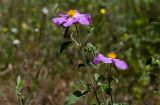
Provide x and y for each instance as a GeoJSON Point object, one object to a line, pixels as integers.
{"type": "Point", "coordinates": [30, 44]}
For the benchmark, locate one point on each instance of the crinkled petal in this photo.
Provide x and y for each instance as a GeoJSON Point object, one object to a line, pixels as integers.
{"type": "Point", "coordinates": [107, 60]}
{"type": "Point", "coordinates": [120, 64]}
{"type": "Point", "coordinates": [59, 21]}
{"type": "Point", "coordinates": [69, 22]}
{"type": "Point", "coordinates": [101, 58]}
{"type": "Point", "coordinates": [84, 19]}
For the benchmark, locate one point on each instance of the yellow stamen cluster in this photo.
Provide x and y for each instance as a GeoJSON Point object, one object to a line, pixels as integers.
{"type": "Point", "coordinates": [112, 55]}
{"type": "Point", "coordinates": [71, 13]}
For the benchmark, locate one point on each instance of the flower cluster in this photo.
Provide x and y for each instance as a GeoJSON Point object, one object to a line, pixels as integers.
{"type": "Point", "coordinates": [74, 17]}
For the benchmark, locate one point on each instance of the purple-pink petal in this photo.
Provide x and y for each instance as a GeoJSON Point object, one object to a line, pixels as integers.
{"type": "Point", "coordinates": [58, 21]}
{"type": "Point", "coordinates": [66, 20]}
{"type": "Point", "coordinates": [97, 59]}
{"type": "Point", "coordinates": [107, 60]}
{"type": "Point", "coordinates": [101, 58]}
{"type": "Point", "coordinates": [63, 15]}
{"type": "Point", "coordinates": [69, 22]}
{"type": "Point", "coordinates": [84, 19]}
{"type": "Point", "coordinates": [120, 64]}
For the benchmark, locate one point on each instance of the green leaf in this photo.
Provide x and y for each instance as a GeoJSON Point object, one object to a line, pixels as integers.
{"type": "Point", "coordinates": [77, 93]}
{"type": "Point", "coordinates": [71, 99]}
{"type": "Point", "coordinates": [154, 61]}
{"type": "Point", "coordinates": [106, 88]}
{"type": "Point", "coordinates": [157, 93]}
{"type": "Point", "coordinates": [90, 29]}
{"type": "Point", "coordinates": [19, 88]}
{"type": "Point", "coordinates": [90, 48]}
{"type": "Point", "coordinates": [20, 82]}
{"type": "Point", "coordinates": [65, 46]}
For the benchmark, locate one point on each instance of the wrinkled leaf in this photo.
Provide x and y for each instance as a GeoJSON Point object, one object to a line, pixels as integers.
{"type": "Point", "coordinates": [90, 48]}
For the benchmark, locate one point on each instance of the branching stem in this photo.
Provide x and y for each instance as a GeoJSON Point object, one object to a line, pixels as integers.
{"type": "Point", "coordinates": [86, 65]}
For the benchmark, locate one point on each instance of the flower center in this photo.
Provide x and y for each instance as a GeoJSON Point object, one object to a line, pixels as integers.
{"type": "Point", "coordinates": [112, 55]}
{"type": "Point", "coordinates": [71, 13]}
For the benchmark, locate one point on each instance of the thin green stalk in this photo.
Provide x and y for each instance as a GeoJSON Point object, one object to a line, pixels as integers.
{"type": "Point", "coordinates": [90, 77]}
{"type": "Point", "coordinates": [87, 68]}
{"type": "Point", "coordinates": [80, 44]}
{"type": "Point", "coordinates": [103, 95]}
{"type": "Point", "coordinates": [109, 81]}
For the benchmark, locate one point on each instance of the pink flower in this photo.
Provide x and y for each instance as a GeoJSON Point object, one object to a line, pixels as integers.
{"type": "Point", "coordinates": [72, 17]}
{"type": "Point", "coordinates": [111, 59]}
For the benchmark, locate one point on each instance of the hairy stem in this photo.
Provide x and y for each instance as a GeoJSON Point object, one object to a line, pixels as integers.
{"type": "Point", "coordinates": [86, 65]}
{"type": "Point", "coordinates": [90, 77]}
{"type": "Point", "coordinates": [109, 81]}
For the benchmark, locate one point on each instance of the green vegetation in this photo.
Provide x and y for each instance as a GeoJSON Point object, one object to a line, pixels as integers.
{"type": "Point", "coordinates": [38, 68]}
